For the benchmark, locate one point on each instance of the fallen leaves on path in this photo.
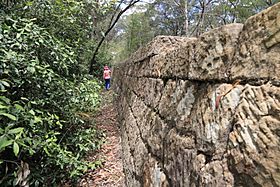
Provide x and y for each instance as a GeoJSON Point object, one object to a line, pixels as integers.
{"type": "Point", "coordinates": [111, 172]}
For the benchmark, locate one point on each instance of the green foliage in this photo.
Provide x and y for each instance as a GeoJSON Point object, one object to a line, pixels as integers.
{"type": "Point", "coordinates": [136, 32]}
{"type": "Point", "coordinates": [42, 92]}
{"type": "Point", "coordinates": [167, 17]}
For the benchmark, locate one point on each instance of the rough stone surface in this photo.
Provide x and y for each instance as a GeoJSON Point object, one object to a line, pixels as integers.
{"type": "Point", "coordinates": [258, 52]}
{"type": "Point", "coordinates": [204, 111]}
{"type": "Point", "coordinates": [213, 53]}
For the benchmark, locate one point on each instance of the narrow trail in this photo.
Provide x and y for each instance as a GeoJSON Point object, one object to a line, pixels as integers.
{"type": "Point", "coordinates": [111, 173]}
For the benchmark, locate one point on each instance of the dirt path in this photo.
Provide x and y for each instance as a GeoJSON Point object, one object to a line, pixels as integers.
{"type": "Point", "coordinates": [111, 174]}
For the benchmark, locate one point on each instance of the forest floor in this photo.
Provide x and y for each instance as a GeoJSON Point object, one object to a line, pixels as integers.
{"type": "Point", "coordinates": [111, 173]}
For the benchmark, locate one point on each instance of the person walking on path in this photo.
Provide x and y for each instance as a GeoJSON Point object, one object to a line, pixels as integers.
{"type": "Point", "coordinates": [107, 77]}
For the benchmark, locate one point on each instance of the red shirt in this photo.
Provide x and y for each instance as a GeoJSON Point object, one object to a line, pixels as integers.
{"type": "Point", "coordinates": [107, 74]}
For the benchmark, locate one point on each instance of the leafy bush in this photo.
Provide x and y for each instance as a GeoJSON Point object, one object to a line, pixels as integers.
{"type": "Point", "coordinates": [42, 137]}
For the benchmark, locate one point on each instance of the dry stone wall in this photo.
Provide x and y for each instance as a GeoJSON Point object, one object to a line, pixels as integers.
{"type": "Point", "coordinates": [204, 111]}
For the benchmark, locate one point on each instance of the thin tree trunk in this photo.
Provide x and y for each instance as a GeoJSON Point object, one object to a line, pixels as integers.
{"type": "Point", "coordinates": [110, 27]}
{"type": "Point", "coordinates": [186, 18]}
{"type": "Point", "coordinates": [94, 18]}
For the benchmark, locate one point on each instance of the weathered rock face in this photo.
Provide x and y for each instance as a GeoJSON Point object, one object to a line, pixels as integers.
{"type": "Point", "coordinates": [204, 111]}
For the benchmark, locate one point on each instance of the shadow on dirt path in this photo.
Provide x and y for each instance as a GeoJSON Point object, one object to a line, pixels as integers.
{"type": "Point", "coordinates": [111, 173]}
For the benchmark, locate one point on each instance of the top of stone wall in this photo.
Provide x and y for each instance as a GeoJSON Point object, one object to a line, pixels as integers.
{"type": "Point", "coordinates": [160, 45]}
{"type": "Point", "coordinates": [235, 51]}
{"type": "Point", "coordinates": [258, 52]}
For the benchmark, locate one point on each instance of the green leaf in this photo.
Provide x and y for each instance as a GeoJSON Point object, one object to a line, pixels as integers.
{"type": "Point", "coordinates": [12, 117]}
{"type": "Point", "coordinates": [37, 119]}
{"type": "Point", "coordinates": [29, 3]}
{"type": "Point", "coordinates": [2, 106]}
{"type": "Point", "coordinates": [32, 112]}
{"type": "Point", "coordinates": [19, 107]}
{"type": "Point", "coordinates": [24, 98]}
{"type": "Point", "coordinates": [31, 69]}
{"type": "Point", "coordinates": [5, 83]}
{"type": "Point", "coordinates": [2, 88]}
{"type": "Point", "coordinates": [5, 99]}
{"type": "Point", "coordinates": [4, 142]}
{"type": "Point", "coordinates": [16, 148]}
{"type": "Point", "coordinates": [18, 35]}
{"type": "Point", "coordinates": [46, 151]}
{"type": "Point", "coordinates": [34, 102]}
{"type": "Point", "coordinates": [16, 130]}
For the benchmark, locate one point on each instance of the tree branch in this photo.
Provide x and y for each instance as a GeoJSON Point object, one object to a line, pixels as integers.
{"type": "Point", "coordinates": [110, 27]}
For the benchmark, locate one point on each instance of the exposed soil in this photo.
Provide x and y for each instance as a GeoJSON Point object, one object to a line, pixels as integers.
{"type": "Point", "coordinates": [111, 172]}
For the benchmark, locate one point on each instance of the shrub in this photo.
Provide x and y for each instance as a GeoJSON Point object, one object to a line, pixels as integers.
{"type": "Point", "coordinates": [42, 137]}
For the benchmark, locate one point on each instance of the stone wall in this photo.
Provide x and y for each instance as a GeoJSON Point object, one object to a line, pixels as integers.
{"type": "Point", "coordinates": [204, 111]}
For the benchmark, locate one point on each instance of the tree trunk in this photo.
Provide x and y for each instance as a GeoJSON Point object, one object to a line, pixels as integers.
{"type": "Point", "coordinates": [114, 20]}
{"type": "Point", "coordinates": [186, 18]}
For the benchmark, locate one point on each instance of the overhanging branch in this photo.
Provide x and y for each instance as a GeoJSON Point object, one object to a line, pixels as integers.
{"type": "Point", "coordinates": [113, 22]}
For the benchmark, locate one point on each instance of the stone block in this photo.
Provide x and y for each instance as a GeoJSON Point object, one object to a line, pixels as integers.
{"type": "Point", "coordinates": [156, 136]}
{"type": "Point", "coordinates": [254, 140]}
{"type": "Point", "coordinates": [160, 45]}
{"type": "Point", "coordinates": [213, 52]}
{"type": "Point", "coordinates": [144, 117]}
{"type": "Point", "coordinates": [258, 52]}
{"type": "Point", "coordinates": [148, 89]}
{"type": "Point", "coordinates": [175, 63]}
{"type": "Point", "coordinates": [153, 174]}
{"type": "Point", "coordinates": [177, 100]}
{"type": "Point", "coordinates": [212, 115]}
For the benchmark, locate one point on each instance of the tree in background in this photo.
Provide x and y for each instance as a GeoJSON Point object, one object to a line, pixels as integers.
{"type": "Point", "coordinates": [132, 31]}
{"type": "Point", "coordinates": [117, 12]}
{"type": "Point", "coordinates": [166, 18]}
{"type": "Point", "coordinates": [180, 18]}
{"type": "Point", "coordinates": [138, 32]}
{"type": "Point", "coordinates": [230, 11]}
{"type": "Point", "coordinates": [193, 17]}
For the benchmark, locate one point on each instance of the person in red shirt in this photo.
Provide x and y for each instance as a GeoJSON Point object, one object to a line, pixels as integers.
{"type": "Point", "coordinates": [107, 77]}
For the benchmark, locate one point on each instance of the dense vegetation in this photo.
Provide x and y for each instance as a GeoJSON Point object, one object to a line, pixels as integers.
{"type": "Point", "coordinates": [47, 49]}
{"type": "Point", "coordinates": [44, 90]}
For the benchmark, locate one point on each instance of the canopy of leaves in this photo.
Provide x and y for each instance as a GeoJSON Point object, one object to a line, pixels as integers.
{"type": "Point", "coordinates": [179, 18]}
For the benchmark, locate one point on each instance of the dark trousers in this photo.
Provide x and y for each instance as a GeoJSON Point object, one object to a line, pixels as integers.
{"type": "Point", "coordinates": [107, 84]}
